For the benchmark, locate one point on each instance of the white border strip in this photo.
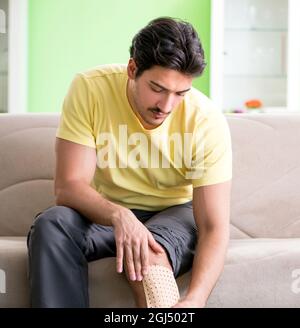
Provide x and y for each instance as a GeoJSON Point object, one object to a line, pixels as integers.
{"type": "Point", "coordinates": [17, 60]}
{"type": "Point", "coordinates": [216, 52]}
{"type": "Point", "coordinates": [293, 83]}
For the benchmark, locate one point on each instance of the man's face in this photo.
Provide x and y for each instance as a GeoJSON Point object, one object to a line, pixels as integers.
{"type": "Point", "coordinates": [155, 93]}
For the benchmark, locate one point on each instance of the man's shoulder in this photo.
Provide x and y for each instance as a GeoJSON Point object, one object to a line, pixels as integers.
{"type": "Point", "coordinates": [105, 70]}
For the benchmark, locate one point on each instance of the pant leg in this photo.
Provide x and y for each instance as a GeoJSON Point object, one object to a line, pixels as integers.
{"type": "Point", "coordinates": [61, 242]}
{"type": "Point", "coordinates": [175, 229]}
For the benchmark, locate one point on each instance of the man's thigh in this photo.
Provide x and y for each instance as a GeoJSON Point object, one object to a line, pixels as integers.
{"type": "Point", "coordinates": [95, 241]}
{"type": "Point", "coordinates": [174, 228]}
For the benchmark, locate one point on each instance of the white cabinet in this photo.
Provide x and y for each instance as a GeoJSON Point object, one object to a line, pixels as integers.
{"type": "Point", "coordinates": [13, 56]}
{"type": "Point", "coordinates": [255, 54]}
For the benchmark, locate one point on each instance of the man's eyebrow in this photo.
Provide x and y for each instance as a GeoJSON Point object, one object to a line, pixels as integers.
{"type": "Point", "coordinates": [162, 87]}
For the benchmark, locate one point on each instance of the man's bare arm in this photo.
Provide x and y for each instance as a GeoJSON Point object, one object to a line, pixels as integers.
{"type": "Point", "coordinates": [211, 206]}
{"type": "Point", "coordinates": [75, 168]}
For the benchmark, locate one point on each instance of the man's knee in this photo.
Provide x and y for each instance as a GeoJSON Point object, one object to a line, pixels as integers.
{"type": "Point", "coordinates": [154, 259]}
{"type": "Point", "coordinates": [47, 223]}
{"type": "Point", "coordinates": [159, 259]}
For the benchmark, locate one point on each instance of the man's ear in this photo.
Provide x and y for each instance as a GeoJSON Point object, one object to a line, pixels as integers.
{"type": "Point", "coordinates": [131, 69]}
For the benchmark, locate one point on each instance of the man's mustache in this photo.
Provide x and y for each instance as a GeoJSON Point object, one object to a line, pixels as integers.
{"type": "Point", "coordinates": [157, 110]}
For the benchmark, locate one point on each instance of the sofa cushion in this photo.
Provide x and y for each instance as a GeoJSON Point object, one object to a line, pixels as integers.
{"type": "Point", "coordinates": [13, 263]}
{"type": "Point", "coordinates": [257, 273]}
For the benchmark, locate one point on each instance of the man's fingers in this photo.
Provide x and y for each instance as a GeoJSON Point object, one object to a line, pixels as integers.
{"type": "Point", "coordinates": [155, 245]}
{"type": "Point", "coordinates": [137, 262]}
{"type": "Point", "coordinates": [129, 263]}
{"type": "Point", "coordinates": [144, 257]}
{"type": "Point", "coordinates": [120, 255]}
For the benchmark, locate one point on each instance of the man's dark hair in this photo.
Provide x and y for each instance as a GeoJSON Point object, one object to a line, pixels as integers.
{"type": "Point", "coordinates": [169, 43]}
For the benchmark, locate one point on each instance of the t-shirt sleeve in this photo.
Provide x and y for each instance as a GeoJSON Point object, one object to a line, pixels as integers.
{"type": "Point", "coordinates": [76, 120]}
{"type": "Point", "coordinates": [212, 152]}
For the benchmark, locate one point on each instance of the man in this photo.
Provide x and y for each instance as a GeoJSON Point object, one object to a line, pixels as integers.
{"type": "Point", "coordinates": [143, 173]}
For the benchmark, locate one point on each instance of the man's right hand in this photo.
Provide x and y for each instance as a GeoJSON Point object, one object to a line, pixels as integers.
{"type": "Point", "coordinates": [133, 240]}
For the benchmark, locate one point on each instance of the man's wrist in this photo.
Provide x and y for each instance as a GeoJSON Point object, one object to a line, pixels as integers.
{"type": "Point", "coordinates": [196, 298]}
{"type": "Point", "coordinates": [115, 215]}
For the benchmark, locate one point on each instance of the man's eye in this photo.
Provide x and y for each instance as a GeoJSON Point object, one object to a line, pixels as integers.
{"type": "Point", "coordinates": [157, 90]}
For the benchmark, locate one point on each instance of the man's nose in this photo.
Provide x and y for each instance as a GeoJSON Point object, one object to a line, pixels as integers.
{"type": "Point", "coordinates": [166, 104]}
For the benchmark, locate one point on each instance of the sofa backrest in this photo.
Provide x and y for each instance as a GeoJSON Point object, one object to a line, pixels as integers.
{"type": "Point", "coordinates": [266, 173]}
{"type": "Point", "coordinates": [27, 160]}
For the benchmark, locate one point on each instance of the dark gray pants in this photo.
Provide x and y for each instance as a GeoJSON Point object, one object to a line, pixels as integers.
{"type": "Point", "coordinates": [61, 242]}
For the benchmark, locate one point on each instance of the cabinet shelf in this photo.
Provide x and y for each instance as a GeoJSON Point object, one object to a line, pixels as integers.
{"type": "Point", "coordinates": [256, 29]}
{"type": "Point", "coordinates": [244, 76]}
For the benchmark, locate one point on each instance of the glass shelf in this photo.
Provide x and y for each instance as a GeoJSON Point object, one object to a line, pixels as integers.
{"type": "Point", "coordinates": [255, 76]}
{"type": "Point", "coordinates": [256, 29]}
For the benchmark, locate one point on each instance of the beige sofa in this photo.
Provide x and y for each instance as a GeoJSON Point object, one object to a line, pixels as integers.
{"type": "Point", "coordinates": [263, 261]}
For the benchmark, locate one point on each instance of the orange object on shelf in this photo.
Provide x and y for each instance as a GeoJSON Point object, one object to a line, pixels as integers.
{"type": "Point", "coordinates": [253, 103]}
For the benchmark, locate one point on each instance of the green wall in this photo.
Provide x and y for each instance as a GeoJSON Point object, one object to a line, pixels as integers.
{"type": "Point", "coordinates": [68, 36]}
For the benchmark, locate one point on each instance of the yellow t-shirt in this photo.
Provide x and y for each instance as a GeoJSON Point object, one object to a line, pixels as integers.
{"type": "Point", "coordinates": [140, 168]}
